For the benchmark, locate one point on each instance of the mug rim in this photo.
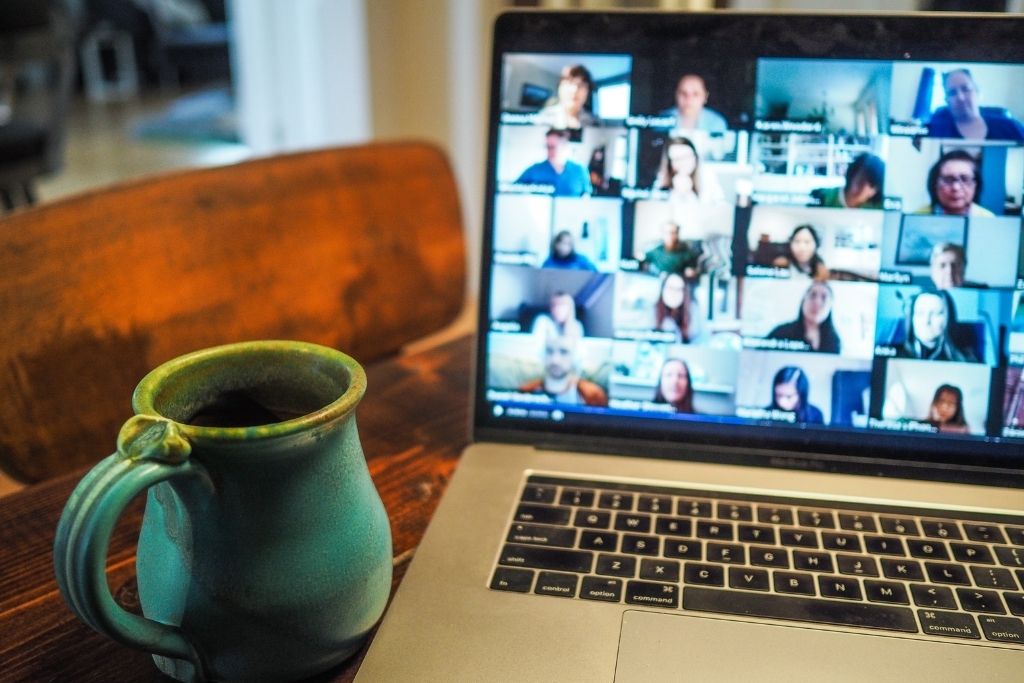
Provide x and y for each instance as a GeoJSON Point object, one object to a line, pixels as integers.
{"type": "Point", "coordinates": [145, 394]}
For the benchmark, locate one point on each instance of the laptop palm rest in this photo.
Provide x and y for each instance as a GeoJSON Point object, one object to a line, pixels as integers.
{"type": "Point", "coordinates": [656, 647]}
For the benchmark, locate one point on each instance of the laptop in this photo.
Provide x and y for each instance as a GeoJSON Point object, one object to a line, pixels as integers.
{"type": "Point", "coordinates": [748, 399]}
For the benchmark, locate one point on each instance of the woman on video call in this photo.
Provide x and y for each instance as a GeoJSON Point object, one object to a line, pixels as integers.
{"type": "Point", "coordinates": [814, 324]}
{"type": "Point", "coordinates": [929, 320]}
{"type": "Point", "coordinates": [789, 393]}
{"type": "Point", "coordinates": [672, 310]}
{"type": "Point", "coordinates": [801, 255]}
{"type": "Point", "coordinates": [681, 173]}
{"type": "Point", "coordinates": [954, 183]}
{"type": "Point", "coordinates": [675, 386]}
{"type": "Point", "coordinates": [569, 108]}
{"type": "Point", "coordinates": [947, 410]}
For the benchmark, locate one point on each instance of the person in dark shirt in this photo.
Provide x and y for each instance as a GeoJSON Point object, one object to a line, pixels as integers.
{"type": "Point", "coordinates": [673, 255]}
{"type": "Point", "coordinates": [930, 319]}
{"type": "Point", "coordinates": [675, 386]}
{"type": "Point", "coordinates": [813, 325]}
{"type": "Point", "coordinates": [964, 118]}
{"type": "Point", "coordinates": [564, 255]}
{"type": "Point", "coordinates": [789, 393]}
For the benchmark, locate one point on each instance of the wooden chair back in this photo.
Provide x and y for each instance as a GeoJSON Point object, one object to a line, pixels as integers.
{"type": "Point", "coordinates": [356, 248]}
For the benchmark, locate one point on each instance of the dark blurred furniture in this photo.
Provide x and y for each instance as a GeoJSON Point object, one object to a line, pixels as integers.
{"type": "Point", "coordinates": [36, 75]}
{"type": "Point", "coordinates": [356, 248]}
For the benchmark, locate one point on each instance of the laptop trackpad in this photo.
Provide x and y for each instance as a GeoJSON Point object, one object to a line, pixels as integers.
{"type": "Point", "coordinates": [655, 647]}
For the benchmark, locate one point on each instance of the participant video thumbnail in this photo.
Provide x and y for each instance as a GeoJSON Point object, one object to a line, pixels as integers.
{"type": "Point", "coordinates": [677, 167]}
{"type": "Point", "coordinates": [1013, 404]}
{"type": "Point", "coordinates": [547, 161]}
{"type": "Point", "coordinates": [549, 301]}
{"type": "Point", "coordinates": [919, 397]}
{"type": "Point", "coordinates": [672, 308]}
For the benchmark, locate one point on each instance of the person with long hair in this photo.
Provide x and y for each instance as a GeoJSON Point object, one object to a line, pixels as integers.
{"type": "Point", "coordinates": [679, 171]}
{"type": "Point", "coordinates": [789, 393]}
{"type": "Point", "coordinates": [675, 386]}
{"type": "Point", "coordinates": [865, 180]}
{"type": "Point", "coordinates": [802, 256]}
{"type": "Point", "coordinates": [946, 411]}
{"type": "Point", "coordinates": [930, 318]}
{"type": "Point", "coordinates": [954, 183]}
{"type": "Point", "coordinates": [813, 325]}
{"type": "Point", "coordinates": [672, 310]}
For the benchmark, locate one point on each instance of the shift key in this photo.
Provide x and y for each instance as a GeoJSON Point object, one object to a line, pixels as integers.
{"type": "Point", "coordinates": [539, 557]}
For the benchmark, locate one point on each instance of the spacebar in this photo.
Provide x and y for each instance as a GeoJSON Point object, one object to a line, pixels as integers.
{"type": "Point", "coordinates": [860, 614]}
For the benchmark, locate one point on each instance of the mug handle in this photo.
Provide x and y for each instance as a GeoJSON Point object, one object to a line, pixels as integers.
{"type": "Point", "coordinates": [149, 450]}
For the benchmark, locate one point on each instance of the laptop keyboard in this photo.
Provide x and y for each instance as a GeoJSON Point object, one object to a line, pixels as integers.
{"type": "Point", "coordinates": [951, 575]}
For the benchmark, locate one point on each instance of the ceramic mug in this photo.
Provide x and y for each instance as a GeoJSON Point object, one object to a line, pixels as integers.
{"type": "Point", "coordinates": [265, 551]}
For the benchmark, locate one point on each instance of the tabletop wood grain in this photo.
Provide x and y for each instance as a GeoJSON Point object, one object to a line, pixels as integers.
{"type": "Point", "coordinates": [413, 424]}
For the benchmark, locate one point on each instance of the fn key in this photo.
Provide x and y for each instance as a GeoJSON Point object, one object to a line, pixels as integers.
{"type": "Point", "coordinates": [509, 579]}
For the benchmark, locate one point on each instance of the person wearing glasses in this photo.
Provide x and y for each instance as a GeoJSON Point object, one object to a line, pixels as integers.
{"type": "Point", "coordinates": [954, 182]}
{"type": "Point", "coordinates": [963, 116]}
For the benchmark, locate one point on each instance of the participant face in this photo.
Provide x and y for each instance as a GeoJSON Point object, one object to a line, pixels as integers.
{"type": "Point", "coordinates": [558, 357]}
{"type": "Point", "coordinates": [672, 292]}
{"type": "Point", "coordinates": [563, 246]}
{"type": "Point", "coordinates": [955, 186]}
{"type": "Point", "coordinates": [557, 148]}
{"type": "Point", "coordinates": [930, 318]}
{"type": "Point", "coordinates": [947, 270]}
{"type": "Point", "coordinates": [859, 191]}
{"type": "Point", "coordinates": [674, 385]}
{"type": "Point", "coordinates": [803, 246]}
{"type": "Point", "coordinates": [683, 158]}
{"type": "Point", "coordinates": [561, 309]}
{"type": "Point", "coordinates": [817, 303]}
{"type": "Point", "coordinates": [691, 94]}
{"type": "Point", "coordinates": [670, 236]}
{"type": "Point", "coordinates": [945, 406]}
{"type": "Point", "coordinates": [962, 96]}
{"type": "Point", "coordinates": [573, 93]}
{"type": "Point", "coordinates": [786, 396]}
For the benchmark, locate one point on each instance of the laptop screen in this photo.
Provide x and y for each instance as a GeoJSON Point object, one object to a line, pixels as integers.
{"type": "Point", "coordinates": [801, 232]}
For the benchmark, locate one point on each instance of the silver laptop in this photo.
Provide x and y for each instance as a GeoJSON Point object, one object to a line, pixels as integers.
{"type": "Point", "coordinates": [748, 401]}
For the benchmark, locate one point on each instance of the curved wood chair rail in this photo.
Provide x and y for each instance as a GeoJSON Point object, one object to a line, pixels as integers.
{"type": "Point", "coordinates": [357, 248]}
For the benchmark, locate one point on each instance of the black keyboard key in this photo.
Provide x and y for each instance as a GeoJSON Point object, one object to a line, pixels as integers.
{"type": "Point", "coordinates": [848, 543]}
{"type": "Point", "coordinates": [886, 591]}
{"type": "Point", "coordinates": [593, 519]}
{"type": "Point", "coordinates": [1003, 629]}
{"type": "Point", "coordinates": [652, 594]}
{"type": "Point", "coordinates": [536, 534]}
{"type": "Point", "coordinates": [606, 541]}
{"type": "Point", "coordinates": [510, 579]}
{"type": "Point", "coordinates": [719, 531]}
{"type": "Point", "coordinates": [799, 538]}
{"type": "Point", "coordinates": [792, 582]}
{"type": "Point", "coordinates": [812, 561]}
{"type": "Point", "coordinates": [583, 498]}
{"type": "Point", "coordinates": [993, 577]}
{"type": "Point", "coordinates": [972, 552]}
{"type": "Point", "coordinates": [1015, 602]}
{"type": "Point", "coordinates": [943, 572]}
{"type": "Point", "coordinates": [948, 624]}
{"type": "Point", "coordinates": [542, 514]}
{"type": "Point", "coordinates": [769, 557]}
{"type": "Point", "coordinates": [774, 515]}
{"type": "Point", "coordinates": [615, 501]}
{"type": "Point", "coordinates": [756, 534]}
{"type": "Point", "coordinates": [659, 570]}
{"type": "Point", "coordinates": [657, 504]}
{"type": "Point", "coordinates": [704, 574]}
{"type": "Point", "coordinates": [840, 587]}
{"type": "Point", "coordinates": [899, 525]}
{"type": "Point", "coordinates": [984, 533]}
{"type": "Point", "coordinates": [883, 545]}
{"type": "Point", "coordinates": [637, 523]}
{"type": "Point", "coordinates": [749, 579]}
{"type": "Point", "coordinates": [688, 507]}
{"type": "Point", "coordinates": [927, 550]}
{"type": "Point", "coordinates": [640, 545]}
{"type": "Point", "coordinates": [737, 512]}
{"type": "Point", "coordinates": [942, 528]}
{"type": "Point", "coordinates": [538, 493]}
{"type": "Point", "coordinates": [554, 583]}
{"type": "Point", "coordinates": [818, 519]}
{"type": "Point", "coordinates": [616, 565]}
{"type": "Point", "coordinates": [683, 550]}
{"type": "Point", "coordinates": [907, 570]}
{"type": "Point", "coordinates": [539, 557]}
{"type": "Point", "coordinates": [604, 590]}
{"type": "Point", "coordinates": [857, 565]}
{"type": "Point", "coordinates": [977, 600]}
{"type": "Point", "coordinates": [1010, 557]}
{"type": "Point", "coordinates": [854, 522]}
{"type": "Point", "coordinates": [1015, 535]}
{"type": "Point", "coordinates": [753, 604]}
{"type": "Point", "coordinates": [932, 596]}
{"type": "Point", "coordinates": [673, 526]}
{"type": "Point", "coordinates": [728, 553]}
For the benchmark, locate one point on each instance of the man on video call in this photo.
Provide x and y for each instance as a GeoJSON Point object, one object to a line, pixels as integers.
{"type": "Point", "coordinates": [561, 380]}
{"type": "Point", "coordinates": [567, 177]}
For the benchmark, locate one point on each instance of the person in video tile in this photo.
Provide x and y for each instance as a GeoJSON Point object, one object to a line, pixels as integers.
{"type": "Point", "coordinates": [865, 178]}
{"type": "Point", "coordinates": [813, 325]}
{"type": "Point", "coordinates": [560, 320]}
{"type": "Point", "coordinates": [801, 255]}
{"type": "Point", "coordinates": [789, 393]}
{"type": "Point", "coordinates": [561, 380]}
{"type": "Point", "coordinates": [947, 410]}
{"type": "Point", "coordinates": [558, 170]}
{"type": "Point", "coordinates": [691, 110]}
{"type": "Point", "coordinates": [953, 184]}
{"type": "Point", "coordinates": [964, 117]}
{"type": "Point", "coordinates": [672, 310]}
{"type": "Point", "coordinates": [681, 174]}
{"type": "Point", "coordinates": [564, 255]}
{"type": "Point", "coordinates": [673, 255]}
{"type": "Point", "coordinates": [674, 386]}
{"type": "Point", "coordinates": [947, 265]}
{"type": "Point", "coordinates": [569, 107]}
{"type": "Point", "coordinates": [930, 319]}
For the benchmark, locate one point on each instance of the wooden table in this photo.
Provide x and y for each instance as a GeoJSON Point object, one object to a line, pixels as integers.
{"type": "Point", "coordinates": [413, 424]}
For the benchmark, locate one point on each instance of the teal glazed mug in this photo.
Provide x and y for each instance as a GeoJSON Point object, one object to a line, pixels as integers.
{"type": "Point", "coordinates": [265, 551]}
